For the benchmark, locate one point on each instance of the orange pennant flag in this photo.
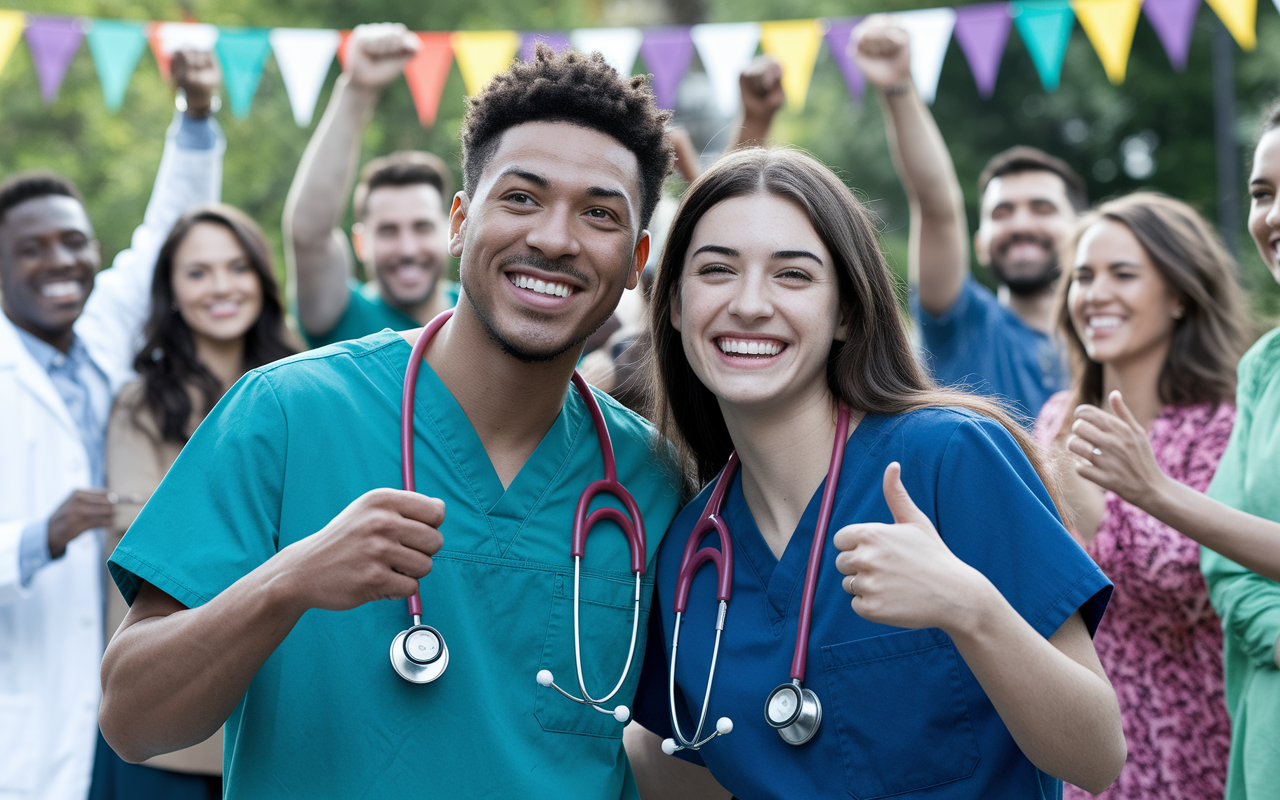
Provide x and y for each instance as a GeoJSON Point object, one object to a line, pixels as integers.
{"type": "Point", "coordinates": [426, 74]}
{"type": "Point", "coordinates": [342, 48]}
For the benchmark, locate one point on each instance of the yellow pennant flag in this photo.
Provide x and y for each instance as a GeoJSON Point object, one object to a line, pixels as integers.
{"type": "Point", "coordinates": [1109, 24]}
{"type": "Point", "coordinates": [795, 44]}
{"type": "Point", "coordinates": [11, 25]}
{"type": "Point", "coordinates": [483, 54]}
{"type": "Point", "coordinates": [1241, 18]}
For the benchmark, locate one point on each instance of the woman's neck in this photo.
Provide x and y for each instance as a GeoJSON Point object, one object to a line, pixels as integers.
{"type": "Point", "coordinates": [225, 359]}
{"type": "Point", "coordinates": [1138, 381]}
{"type": "Point", "coordinates": [784, 458]}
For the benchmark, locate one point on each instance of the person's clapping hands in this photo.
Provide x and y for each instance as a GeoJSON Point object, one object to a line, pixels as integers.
{"type": "Point", "coordinates": [1114, 451]}
{"type": "Point", "coordinates": [377, 54]}
{"type": "Point", "coordinates": [196, 75]}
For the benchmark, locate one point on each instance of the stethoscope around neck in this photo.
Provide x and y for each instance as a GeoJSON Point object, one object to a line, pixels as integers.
{"type": "Point", "coordinates": [794, 711]}
{"type": "Point", "coordinates": [419, 654]}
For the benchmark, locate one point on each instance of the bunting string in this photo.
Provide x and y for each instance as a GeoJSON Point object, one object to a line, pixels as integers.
{"type": "Point", "coordinates": [305, 56]}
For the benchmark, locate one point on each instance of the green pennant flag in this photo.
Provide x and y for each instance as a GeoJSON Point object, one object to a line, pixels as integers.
{"type": "Point", "coordinates": [116, 46]}
{"type": "Point", "coordinates": [1045, 27]}
{"type": "Point", "coordinates": [243, 53]}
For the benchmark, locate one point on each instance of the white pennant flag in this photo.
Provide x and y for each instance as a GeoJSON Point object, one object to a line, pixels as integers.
{"type": "Point", "coordinates": [930, 31]}
{"type": "Point", "coordinates": [175, 36]}
{"type": "Point", "coordinates": [726, 49]}
{"type": "Point", "coordinates": [619, 46]}
{"type": "Point", "coordinates": [304, 56]}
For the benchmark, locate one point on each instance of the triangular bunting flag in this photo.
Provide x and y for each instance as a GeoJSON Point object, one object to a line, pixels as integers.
{"type": "Point", "coordinates": [168, 38]}
{"type": "Point", "coordinates": [726, 49]}
{"type": "Point", "coordinates": [1174, 20]}
{"type": "Point", "coordinates": [930, 31]}
{"type": "Point", "coordinates": [619, 46]}
{"type": "Point", "coordinates": [982, 31]}
{"type": "Point", "coordinates": [838, 43]}
{"type": "Point", "coordinates": [667, 53]}
{"type": "Point", "coordinates": [53, 42]}
{"type": "Point", "coordinates": [426, 74]}
{"type": "Point", "coordinates": [1045, 27]}
{"type": "Point", "coordinates": [11, 25]}
{"type": "Point", "coordinates": [343, 38]}
{"type": "Point", "coordinates": [529, 43]}
{"type": "Point", "coordinates": [1241, 18]}
{"type": "Point", "coordinates": [116, 47]}
{"type": "Point", "coordinates": [795, 44]}
{"type": "Point", "coordinates": [243, 53]}
{"type": "Point", "coordinates": [1109, 24]}
{"type": "Point", "coordinates": [303, 56]}
{"type": "Point", "coordinates": [483, 54]}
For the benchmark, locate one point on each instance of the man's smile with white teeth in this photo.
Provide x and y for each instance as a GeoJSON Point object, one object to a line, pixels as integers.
{"type": "Point", "coordinates": [750, 347]}
{"type": "Point", "coordinates": [540, 286]}
{"type": "Point", "coordinates": [60, 289]}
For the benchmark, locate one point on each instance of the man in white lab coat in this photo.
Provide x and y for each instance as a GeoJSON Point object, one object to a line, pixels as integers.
{"type": "Point", "coordinates": [67, 342]}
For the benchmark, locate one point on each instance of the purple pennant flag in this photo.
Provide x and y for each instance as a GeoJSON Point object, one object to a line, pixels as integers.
{"type": "Point", "coordinates": [838, 42]}
{"type": "Point", "coordinates": [1174, 21]}
{"type": "Point", "coordinates": [53, 42]}
{"type": "Point", "coordinates": [529, 42]}
{"type": "Point", "coordinates": [667, 52]}
{"type": "Point", "coordinates": [982, 32]}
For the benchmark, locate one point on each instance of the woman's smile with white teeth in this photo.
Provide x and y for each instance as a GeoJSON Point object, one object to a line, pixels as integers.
{"type": "Point", "coordinates": [541, 286]}
{"type": "Point", "coordinates": [750, 347]}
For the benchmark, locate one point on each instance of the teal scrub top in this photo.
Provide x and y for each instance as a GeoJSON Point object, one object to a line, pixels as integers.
{"type": "Point", "coordinates": [326, 716]}
{"type": "Point", "coordinates": [367, 312]}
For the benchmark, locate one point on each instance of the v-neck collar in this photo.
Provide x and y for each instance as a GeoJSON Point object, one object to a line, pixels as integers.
{"type": "Point", "coordinates": [437, 412]}
{"type": "Point", "coordinates": [782, 579]}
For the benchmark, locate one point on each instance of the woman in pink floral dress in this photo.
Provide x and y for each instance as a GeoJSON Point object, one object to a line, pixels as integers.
{"type": "Point", "coordinates": [1150, 308]}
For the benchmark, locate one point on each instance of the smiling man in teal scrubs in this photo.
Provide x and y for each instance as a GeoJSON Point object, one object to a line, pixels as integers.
{"type": "Point", "coordinates": [268, 572]}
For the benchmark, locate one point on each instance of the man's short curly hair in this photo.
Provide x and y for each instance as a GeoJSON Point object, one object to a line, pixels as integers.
{"type": "Point", "coordinates": [25, 186]}
{"type": "Point", "coordinates": [579, 89]}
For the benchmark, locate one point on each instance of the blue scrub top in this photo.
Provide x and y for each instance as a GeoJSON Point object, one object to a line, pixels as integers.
{"type": "Point", "coordinates": [288, 448]}
{"type": "Point", "coordinates": [902, 712]}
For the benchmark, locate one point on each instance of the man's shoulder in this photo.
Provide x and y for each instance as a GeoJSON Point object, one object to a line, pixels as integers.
{"type": "Point", "coordinates": [326, 365]}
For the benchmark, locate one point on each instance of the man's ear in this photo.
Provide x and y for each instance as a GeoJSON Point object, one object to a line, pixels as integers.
{"type": "Point", "coordinates": [981, 247]}
{"type": "Point", "coordinates": [640, 258]}
{"type": "Point", "coordinates": [357, 240]}
{"type": "Point", "coordinates": [458, 223]}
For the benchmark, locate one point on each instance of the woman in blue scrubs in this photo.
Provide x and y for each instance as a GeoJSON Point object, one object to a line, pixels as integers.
{"type": "Point", "coordinates": [965, 667]}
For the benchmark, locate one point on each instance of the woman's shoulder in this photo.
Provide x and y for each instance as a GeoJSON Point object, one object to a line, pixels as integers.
{"type": "Point", "coordinates": [1261, 364]}
{"type": "Point", "coordinates": [1049, 420]}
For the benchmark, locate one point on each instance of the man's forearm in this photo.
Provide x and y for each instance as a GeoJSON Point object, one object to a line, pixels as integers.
{"type": "Point", "coordinates": [171, 676]}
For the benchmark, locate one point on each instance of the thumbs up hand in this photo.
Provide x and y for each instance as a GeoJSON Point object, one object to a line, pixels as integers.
{"type": "Point", "coordinates": [902, 574]}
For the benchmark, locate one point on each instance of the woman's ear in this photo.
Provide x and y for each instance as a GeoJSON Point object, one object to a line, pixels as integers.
{"type": "Point", "coordinates": [675, 307]}
{"type": "Point", "coordinates": [846, 317]}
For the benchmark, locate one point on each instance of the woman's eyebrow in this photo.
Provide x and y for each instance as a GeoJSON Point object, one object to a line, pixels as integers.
{"type": "Point", "coordinates": [784, 254]}
{"type": "Point", "coordinates": [718, 249]}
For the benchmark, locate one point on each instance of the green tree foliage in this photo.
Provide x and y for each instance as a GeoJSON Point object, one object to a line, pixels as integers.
{"type": "Point", "coordinates": [114, 157]}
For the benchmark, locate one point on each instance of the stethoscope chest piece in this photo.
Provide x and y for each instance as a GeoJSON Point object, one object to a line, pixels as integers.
{"type": "Point", "coordinates": [419, 654]}
{"type": "Point", "coordinates": [794, 711]}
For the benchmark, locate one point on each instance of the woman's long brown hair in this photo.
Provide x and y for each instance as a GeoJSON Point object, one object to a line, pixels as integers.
{"type": "Point", "coordinates": [1211, 335]}
{"type": "Point", "coordinates": [874, 370]}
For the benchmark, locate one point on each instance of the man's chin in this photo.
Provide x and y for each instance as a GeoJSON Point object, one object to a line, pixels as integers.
{"type": "Point", "coordinates": [1026, 280]}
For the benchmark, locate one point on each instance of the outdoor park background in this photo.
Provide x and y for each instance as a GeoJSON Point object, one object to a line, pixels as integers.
{"type": "Point", "coordinates": [1166, 115]}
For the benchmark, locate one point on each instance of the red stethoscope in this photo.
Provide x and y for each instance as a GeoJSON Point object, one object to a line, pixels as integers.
{"type": "Point", "coordinates": [419, 654]}
{"type": "Point", "coordinates": [792, 709]}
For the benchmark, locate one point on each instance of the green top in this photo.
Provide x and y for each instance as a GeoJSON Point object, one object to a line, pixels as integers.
{"type": "Point", "coordinates": [326, 716]}
{"type": "Point", "coordinates": [1248, 478]}
{"type": "Point", "coordinates": [367, 312]}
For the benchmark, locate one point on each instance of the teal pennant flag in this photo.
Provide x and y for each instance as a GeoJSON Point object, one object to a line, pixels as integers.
{"type": "Point", "coordinates": [1045, 27]}
{"type": "Point", "coordinates": [243, 53]}
{"type": "Point", "coordinates": [116, 47]}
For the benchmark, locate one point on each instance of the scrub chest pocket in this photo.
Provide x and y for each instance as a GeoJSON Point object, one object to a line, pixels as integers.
{"type": "Point", "coordinates": [899, 707]}
{"type": "Point", "coordinates": [605, 609]}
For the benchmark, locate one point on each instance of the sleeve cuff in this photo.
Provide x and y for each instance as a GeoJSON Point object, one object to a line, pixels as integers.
{"type": "Point", "coordinates": [195, 134]}
{"type": "Point", "coordinates": [33, 552]}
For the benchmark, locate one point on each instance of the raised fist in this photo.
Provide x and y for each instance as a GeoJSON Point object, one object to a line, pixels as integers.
{"type": "Point", "coordinates": [882, 51]}
{"type": "Point", "coordinates": [197, 74]}
{"type": "Point", "coordinates": [377, 54]}
{"type": "Point", "coordinates": [761, 84]}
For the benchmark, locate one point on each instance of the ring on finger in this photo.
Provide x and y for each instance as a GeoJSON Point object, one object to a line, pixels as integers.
{"type": "Point", "coordinates": [848, 585]}
{"type": "Point", "coordinates": [1097, 452]}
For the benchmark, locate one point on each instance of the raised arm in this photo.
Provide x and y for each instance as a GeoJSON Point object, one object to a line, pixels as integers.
{"type": "Point", "coordinates": [1116, 454]}
{"type": "Point", "coordinates": [1051, 694]}
{"type": "Point", "coordinates": [938, 259]}
{"type": "Point", "coordinates": [317, 257]}
{"type": "Point", "coordinates": [762, 96]}
{"type": "Point", "coordinates": [190, 174]}
{"type": "Point", "coordinates": [172, 675]}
